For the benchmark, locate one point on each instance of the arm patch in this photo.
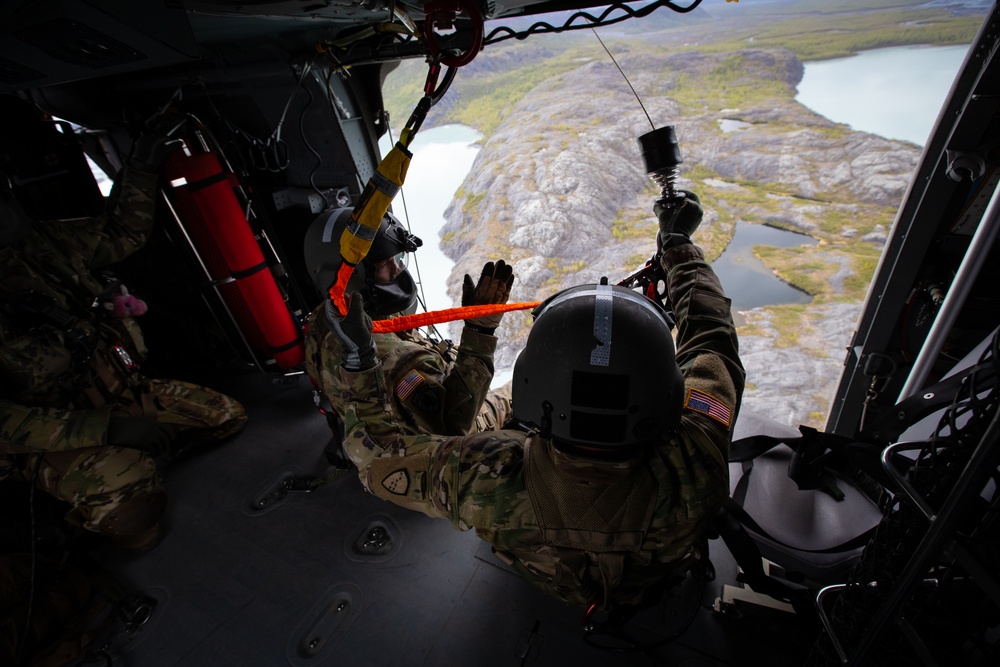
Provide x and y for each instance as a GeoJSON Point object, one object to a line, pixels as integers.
{"type": "Point", "coordinates": [400, 479]}
{"type": "Point", "coordinates": [408, 384]}
{"type": "Point", "coordinates": [706, 404]}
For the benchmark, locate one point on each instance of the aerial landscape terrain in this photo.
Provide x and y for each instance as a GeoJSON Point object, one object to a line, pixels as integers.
{"type": "Point", "coordinates": [558, 186]}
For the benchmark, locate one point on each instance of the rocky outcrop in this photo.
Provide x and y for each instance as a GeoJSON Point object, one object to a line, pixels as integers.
{"type": "Point", "coordinates": [795, 385]}
{"type": "Point", "coordinates": [559, 187]}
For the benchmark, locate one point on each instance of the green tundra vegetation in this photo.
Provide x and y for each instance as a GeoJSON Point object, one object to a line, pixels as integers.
{"type": "Point", "coordinates": [840, 266]}
{"type": "Point", "coordinates": [812, 30]}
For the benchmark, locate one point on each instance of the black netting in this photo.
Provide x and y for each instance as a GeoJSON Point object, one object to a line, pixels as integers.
{"type": "Point", "coordinates": [946, 614]}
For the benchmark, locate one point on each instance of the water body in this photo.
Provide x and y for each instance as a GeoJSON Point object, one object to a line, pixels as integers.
{"type": "Point", "coordinates": [748, 282]}
{"type": "Point", "coordinates": [442, 156]}
{"type": "Point", "coordinates": [895, 93]}
{"type": "Point", "coordinates": [729, 125]}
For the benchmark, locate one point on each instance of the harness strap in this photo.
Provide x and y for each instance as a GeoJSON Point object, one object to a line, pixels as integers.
{"type": "Point", "coordinates": [741, 515]}
{"type": "Point", "coordinates": [748, 556]}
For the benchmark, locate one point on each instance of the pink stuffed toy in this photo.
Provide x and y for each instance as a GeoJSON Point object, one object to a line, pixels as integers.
{"type": "Point", "coordinates": [123, 305]}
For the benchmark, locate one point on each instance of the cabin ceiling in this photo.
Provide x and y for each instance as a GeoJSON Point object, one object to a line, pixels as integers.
{"type": "Point", "coordinates": [46, 43]}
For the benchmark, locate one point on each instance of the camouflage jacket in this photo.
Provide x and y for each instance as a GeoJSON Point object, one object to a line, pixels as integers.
{"type": "Point", "coordinates": [434, 387]}
{"type": "Point", "coordinates": [55, 376]}
{"type": "Point", "coordinates": [557, 534]}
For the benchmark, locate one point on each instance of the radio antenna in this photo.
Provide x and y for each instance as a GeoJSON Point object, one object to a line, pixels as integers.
{"type": "Point", "coordinates": [624, 77]}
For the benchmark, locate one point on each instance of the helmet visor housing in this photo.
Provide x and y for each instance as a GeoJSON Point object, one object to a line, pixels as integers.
{"type": "Point", "coordinates": [598, 370]}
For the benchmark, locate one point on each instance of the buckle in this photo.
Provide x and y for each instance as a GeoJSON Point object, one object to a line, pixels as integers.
{"type": "Point", "coordinates": [125, 358]}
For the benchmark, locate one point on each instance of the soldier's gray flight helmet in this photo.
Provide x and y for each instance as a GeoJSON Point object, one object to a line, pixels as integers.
{"type": "Point", "coordinates": [598, 371]}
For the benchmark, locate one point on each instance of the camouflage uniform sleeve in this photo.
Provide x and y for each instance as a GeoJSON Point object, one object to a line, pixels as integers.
{"type": "Point", "coordinates": [707, 348]}
{"type": "Point", "coordinates": [26, 430]}
{"type": "Point", "coordinates": [123, 228]}
{"type": "Point", "coordinates": [442, 476]}
{"type": "Point", "coordinates": [468, 382]}
{"type": "Point", "coordinates": [127, 223]}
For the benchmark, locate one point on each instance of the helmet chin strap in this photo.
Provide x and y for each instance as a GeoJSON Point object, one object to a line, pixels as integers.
{"type": "Point", "coordinates": [545, 424]}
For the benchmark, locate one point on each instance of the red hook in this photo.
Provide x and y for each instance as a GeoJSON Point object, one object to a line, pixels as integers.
{"type": "Point", "coordinates": [442, 13]}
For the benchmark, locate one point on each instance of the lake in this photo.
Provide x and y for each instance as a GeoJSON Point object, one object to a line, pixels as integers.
{"type": "Point", "coordinates": [442, 156]}
{"type": "Point", "coordinates": [748, 282]}
{"type": "Point", "coordinates": [895, 93]}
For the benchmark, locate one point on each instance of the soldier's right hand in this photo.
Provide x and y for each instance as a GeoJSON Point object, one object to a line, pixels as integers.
{"type": "Point", "coordinates": [143, 433]}
{"type": "Point", "coordinates": [679, 219]}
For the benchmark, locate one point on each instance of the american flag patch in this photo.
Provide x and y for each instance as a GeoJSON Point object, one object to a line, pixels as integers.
{"type": "Point", "coordinates": [701, 402]}
{"type": "Point", "coordinates": [410, 381]}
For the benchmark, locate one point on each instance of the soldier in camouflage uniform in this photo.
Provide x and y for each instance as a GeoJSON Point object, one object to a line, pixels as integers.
{"type": "Point", "coordinates": [76, 415]}
{"type": "Point", "coordinates": [435, 388]}
{"type": "Point", "coordinates": [620, 465]}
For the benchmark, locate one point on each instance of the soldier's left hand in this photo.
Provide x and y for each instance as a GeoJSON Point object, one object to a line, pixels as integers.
{"type": "Point", "coordinates": [493, 288]}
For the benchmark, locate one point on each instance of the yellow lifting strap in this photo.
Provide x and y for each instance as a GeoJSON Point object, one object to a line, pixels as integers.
{"type": "Point", "coordinates": [373, 204]}
{"type": "Point", "coordinates": [367, 216]}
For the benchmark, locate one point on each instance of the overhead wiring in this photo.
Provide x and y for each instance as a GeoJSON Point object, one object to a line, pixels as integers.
{"type": "Point", "coordinates": [503, 33]}
{"type": "Point", "coordinates": [316, 154]}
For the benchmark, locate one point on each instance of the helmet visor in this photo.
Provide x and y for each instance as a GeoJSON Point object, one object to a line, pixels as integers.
{"type": "Point", "coordinates": [387, 270]}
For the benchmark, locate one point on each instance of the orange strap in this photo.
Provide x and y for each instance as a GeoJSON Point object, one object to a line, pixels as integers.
{"type": "Point", "coordinates": [337, 288]}
{"type": "Point", "coordinates": [418, 320]}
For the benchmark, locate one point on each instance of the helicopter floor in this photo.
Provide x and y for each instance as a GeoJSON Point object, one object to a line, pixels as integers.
{"type": "Point", "coordinates": [336, 576]}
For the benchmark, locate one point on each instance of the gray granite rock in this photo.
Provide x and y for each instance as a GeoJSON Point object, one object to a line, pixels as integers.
{"type": "Point", "coordinates": [548, 185]}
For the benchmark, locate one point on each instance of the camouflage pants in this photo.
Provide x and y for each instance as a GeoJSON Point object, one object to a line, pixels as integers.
{"type": "Point", "coordinates": [197, 414]}
{"type": "Point", "coordinates": [97, 480]}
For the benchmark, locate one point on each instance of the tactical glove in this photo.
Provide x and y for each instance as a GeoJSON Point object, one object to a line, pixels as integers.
{"type": "Point", "coordinates": [680, 218]}
{"type": "Point", "coordinates": [139, 433]}
{"type": "Point", "coordinates": [151, 151]}
{"type": "Point", "coordinates": [354, 330]}
{"type": "Point", "coordinates": [493, 288]}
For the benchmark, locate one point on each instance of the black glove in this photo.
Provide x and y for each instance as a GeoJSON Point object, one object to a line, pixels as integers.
{"type": "Point", "coordinates": [151, 151]}
{"type": "Point", "coordinates": [678, 217]}
{"type": "Point", "coordinates": [494, 287]}
{"type": "Point", "coordinates": [354, 330]}
{"type": "Point", "coordinates": [139, 433]}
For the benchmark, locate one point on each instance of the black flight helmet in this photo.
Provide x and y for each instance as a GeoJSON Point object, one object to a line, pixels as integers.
{"type": "Point", "coordinates": [322, 255]}
{"type": "Point", "coordinates": [598, 373]}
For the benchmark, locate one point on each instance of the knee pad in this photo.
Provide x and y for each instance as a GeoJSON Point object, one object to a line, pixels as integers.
{"type": "Point", "coordinates": [134, 516]}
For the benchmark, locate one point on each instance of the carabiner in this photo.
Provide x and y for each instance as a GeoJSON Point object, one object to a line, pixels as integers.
{"type": "Point", "coordinates": [443, 12]}
{"type": "Point", "coordinates": [433, 70]}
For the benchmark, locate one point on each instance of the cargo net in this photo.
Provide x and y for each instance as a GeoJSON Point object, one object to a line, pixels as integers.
{"type": "Point", "coordinates": [946, 616]}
